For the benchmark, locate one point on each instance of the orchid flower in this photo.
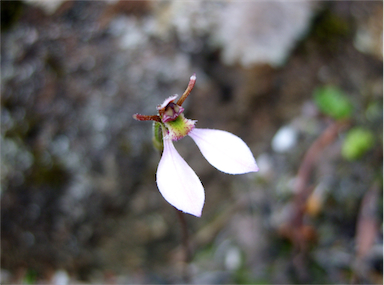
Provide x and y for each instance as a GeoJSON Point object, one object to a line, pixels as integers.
{"type": "Point", "coordinates": [177, 182]}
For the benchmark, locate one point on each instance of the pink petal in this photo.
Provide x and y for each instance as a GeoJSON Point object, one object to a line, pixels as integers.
{"type": "Point", "coordinates": [178, 183]}
{"type": "Point", "coordinates": [225, 151]}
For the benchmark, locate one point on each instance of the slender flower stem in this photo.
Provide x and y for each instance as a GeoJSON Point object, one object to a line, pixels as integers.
{"type": "Point", "coordinates": [191, 83]}
{"type": "Point", "coordinates": [184, 233]}
{"type": "Point", "coordinates": [185, 243]}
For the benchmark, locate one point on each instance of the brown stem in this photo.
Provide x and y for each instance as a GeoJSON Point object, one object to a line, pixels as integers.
{"type": "Point", "coordinates": [309, 161]}
{"type": "Point", "coordinates": [191, 83]}
{"type": "Point", "coordinates": [185, 243]}
{"type": "Point", "coordinates": [297, 231]}
{"type": "Point", "coordinates": [367, 228]}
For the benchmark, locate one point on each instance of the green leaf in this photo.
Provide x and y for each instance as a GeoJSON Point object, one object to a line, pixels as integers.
{"type": "Point", "coordinates": [333, 102]}
{"type": "Point", "coordinates": [357, 142]}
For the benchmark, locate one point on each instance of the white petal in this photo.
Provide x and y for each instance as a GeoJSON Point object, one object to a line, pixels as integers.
{"type": "Point", "coordinates": [225, 151]}
{"type": "Point", "coordinates": [178, 183]}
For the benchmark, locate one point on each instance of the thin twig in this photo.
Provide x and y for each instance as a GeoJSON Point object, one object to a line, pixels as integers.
{"type": "Point", "coordinates": [366, 231]}
{"type": "Point", "coordinates": [296, 230]}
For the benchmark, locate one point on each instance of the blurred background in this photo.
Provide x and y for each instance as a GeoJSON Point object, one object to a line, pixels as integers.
{"type": "Point", "coordinates": [300, 82]}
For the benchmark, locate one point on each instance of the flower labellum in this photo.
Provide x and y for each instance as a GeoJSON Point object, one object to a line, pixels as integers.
{"type": "Point", "coordinates": [177, 182]}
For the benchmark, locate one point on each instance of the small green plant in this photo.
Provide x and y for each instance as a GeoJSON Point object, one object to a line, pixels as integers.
{"type": "Point", "coordinates": [357, 142]}
{"type": "Point", "coordinates": [333, 102]}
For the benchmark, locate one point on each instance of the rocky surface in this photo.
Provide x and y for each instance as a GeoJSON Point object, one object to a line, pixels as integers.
{"type": "Point", "coordinates": [79, 198]}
